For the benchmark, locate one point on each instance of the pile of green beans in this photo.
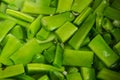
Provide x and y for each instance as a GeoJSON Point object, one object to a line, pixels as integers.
{"type": "Point", "coordinates": [59, 39]}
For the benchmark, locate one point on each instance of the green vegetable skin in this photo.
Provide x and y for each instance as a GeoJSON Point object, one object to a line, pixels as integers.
{"type": "Point", "coordinates": [59, 40]}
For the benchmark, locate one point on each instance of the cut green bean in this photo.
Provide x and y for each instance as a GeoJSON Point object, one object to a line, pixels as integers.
{"type": "Point", "coordinates": [55, 75]}
{"type": "Point", "coordinates": [62, 6]}
{"type": "Point", "coordinates": [84, 14]}
{"type": "Point", "coordinates": [45, 77]}
{"type": "Point", "coordinates": [53, 22]}
{"type": "Point", "coordinates": [77, 58]}
{"type": "Point", "coordinates": [98, 64]}
{"type": "Point", "coordinates": [6, 26]}
{"type": "Point", "coordinates": [116, 23]}
{"type": "Point", "coordinates": [3, 7]}
{"type": "Point", "coordinates": [107, 74]}
{"type": "Point", "coordinates": [34, 27]}
{"type": "Point", "coordinates": [101, 7]}
{"type": "Point", "coordinates": [16, 4]}
{"type": "Point", "coordinates": [115, 33]}
{"type": "Point", "coordinates": [43, 2]}
{"type": "Point", "coordinates": [117, 48]}
{"type": "Point", "coordinates": [99, 21]}
{"type": "Point", "coordinates": [44, 46]}
{"type": "Point", "coordinates": [112, 13]}
{"type": "Point", "coordinates": [25, 54]}
{"type": "Point", "coordinates": [87, 73]}
{"type": "Point", "coordinates": [80, 5]}
{"type": "Point", "coordinates": [85, 42]}
{"type": "Point", "coordinates": [58, 56]}
{"type": "Point", "coordinates": [8, 50]}
{"type": "Point", "coordinates": [50, 54]}
{"type": "Point", "coordinates": [74, 76]}
{"type": "Point", "coordinates": [72, 70]}
{"type": "Point", "coordinates": [103, 51]}
{"type": "Point", "coordinates": [82, 32]}
{"type": "Point", "coordinates": [24, 77]}
{"type": "Point", "coordinates": [17, 31]}
{"type": "Point", "coordinates": [33, 8]}
{"type": "Point", "coordinates": [35, 67]}
{"type": "Point", "coordinates": [107, 25]}
{"type": "Point", "coordinates": [66, 31]}
{"type": "Point", "coordinates": [22, 23]}
{"type": "Point", "coordinates": [50, 38]}
{"type": "Point", "coordinates": [8, 1]}
{"type": "Point", "coordinates": [96, 4]}
{"type": "Point", "coordinates": [19, 15]}
{"type": "Point", "coordinates": [12, 71]}
{"type": "Point", "coordinates": [116, 4]}
{"type": "Point", "coordinates": [108, 38]}
{"type": "Point", "coordinates": [38, 58]}
{"type": "Point", "coordinates": [42, 34]}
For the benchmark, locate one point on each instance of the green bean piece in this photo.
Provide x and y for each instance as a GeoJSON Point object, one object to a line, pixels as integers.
{"type": "Point", "coordinates": [87, 73]}
{"type": "Point", "coordinates": [98, 64]}
{"type": "Point", "coordinates": [6, 26]}
{"type": "Point", "coordinates": [115, 32]}
{"type": "Point", "coordinates": [25, 54]}
{"type": "Point", "coordinates": [84, 14]}
{"type": "Point", "coordinates": [50, 54]}
{"type": "Point", "coordinates": [96, 3]}
{"type": "Point", "coordinates": [80, 5]}
{"type": "Point", "coordinates": [58, 56]}
{"type": "Point", "coordinates": [24, 77]}
{"type": "Point", "coordinates": [116, 4]}
{"type": "Point", "coordinates": [50, 38]}
{"type": "Point", "coordinates": [85, 42]}
{"type": "Point", "coordinates": [99, 12]}
{"type": "Point", "coordinates": [8, 50]}
{"type": "Point", "coordinates": [103, 51]}
{"type": "Point", "coordinates": [72, 70]}
{"type": "Point", "coordinates": [53, 22]}
{"type": "Point", "coordinates": [37, 67]}
{"type": "Point", "coordinates": [74, 76]}
{"type": "Point", "coordinates": [12, 71]}
{"type": "Point", "coordinates": [55, 75]}
{"type": "Point", "coordinates": [3, 7]}
{"type": "Point", "coordinates": [43, 2]}
{"type": "Point", "coordinates": [54, 3]}
{"type": "Point", "coordinates": [17, 31]}
{"type": "Point", "coordinates": [107, 74]}
{"type": "Point", "coordinates": [66, 31]}
{"type": "Point", "coordinates": [77, 58]}
{"type": "Point", "coordinates": [44, 46]}
{"type": "Point", "coordinates": [19, 15]}
{"type": "Point", "coordinates": [16, 4]}
{"type": "Point", "coordinates": [62, 6]}
{"type": "Point", "coordinates": [101, 7]}
{"type": "Point", "coordinates": [112, 13]}
{"type": "Point", "coordinates": [38, 58]}
{"type": "Point", "coordinates": [22, 23]}
{"type": "Point", "coordinates": [8, 1]}
{"type": "Point", "coordinates": [42, 34]}
{"type": "Point", "coordinates": [116, 23]}
{"type": "Point", "coordinates": [33, 8]}
{"type": "Point", "coordinates": [117, 47]}
{"type": "Point", "coordinates": [82, 32]}
{"type": "Point", "coordinates": [99, 21]}
{"type": "Point", "coordinates": [34, 27]}
{"type": "Point", "coordinates": [45, 77]}
{"type": "Point", "coordinates": [108, 38]}
{"type": "Point", "coordinates": [107, 25]}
